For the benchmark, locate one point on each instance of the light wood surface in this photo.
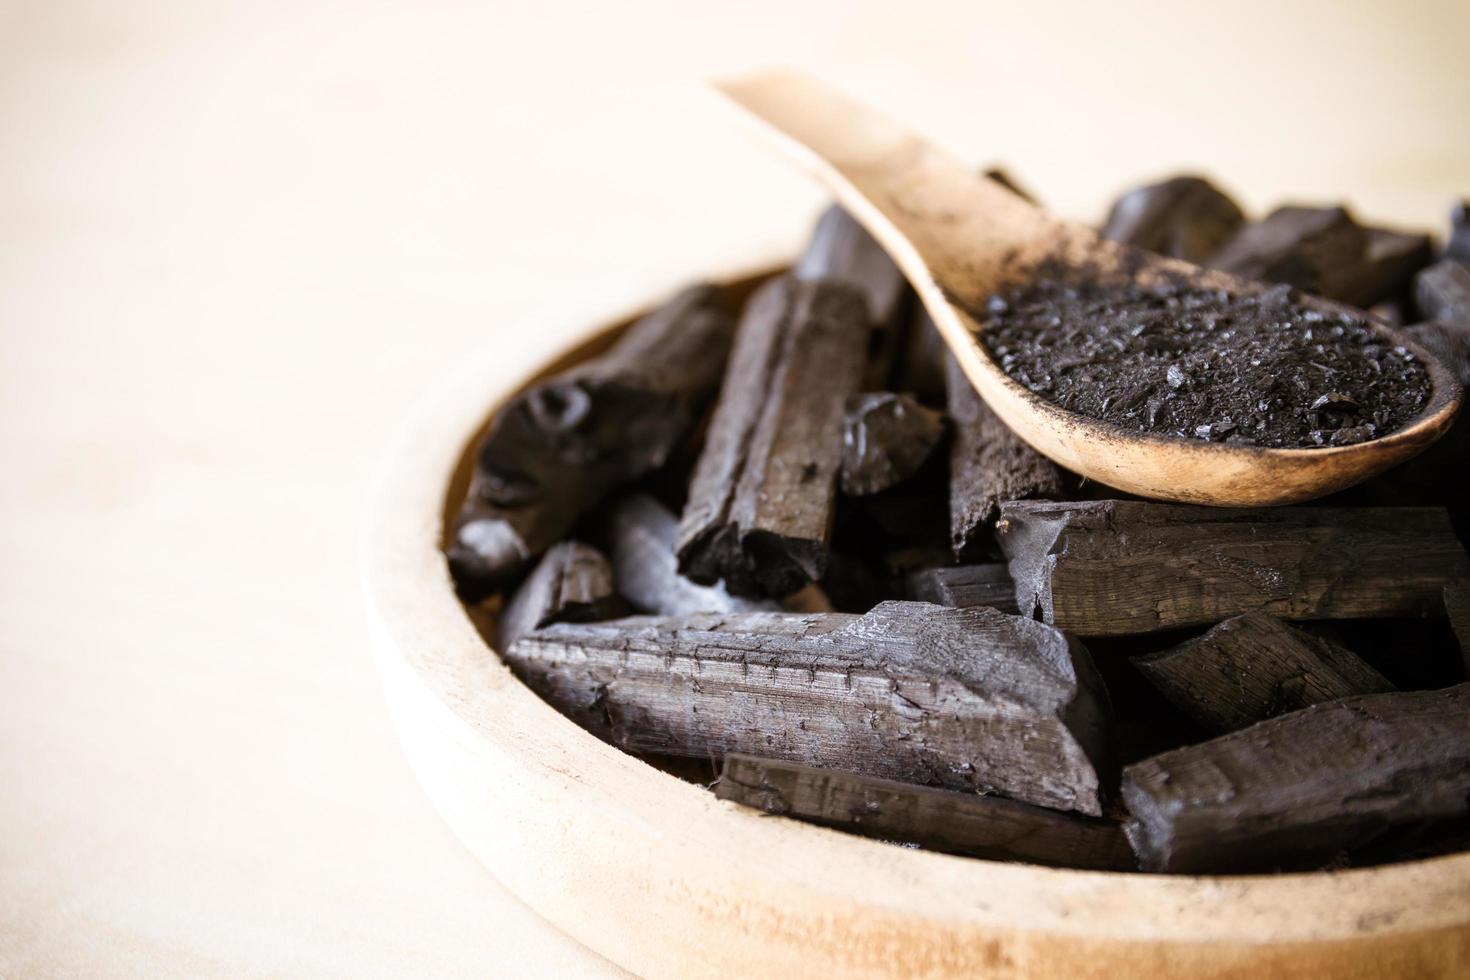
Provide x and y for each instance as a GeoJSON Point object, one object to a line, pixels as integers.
{"type": "Point", "coordinates": [668, 881]}
{"type": "Point", "coordinates": [959, 237]}
{"type": "Point", "coordinates": [239, 241]}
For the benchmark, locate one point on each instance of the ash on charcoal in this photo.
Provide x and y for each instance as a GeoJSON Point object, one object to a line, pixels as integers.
{"type": "Point", "coordinates": [1177, 360]}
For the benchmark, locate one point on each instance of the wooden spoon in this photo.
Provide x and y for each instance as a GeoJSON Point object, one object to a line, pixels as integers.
{"type": "Point", "coordinates": [959, 237]}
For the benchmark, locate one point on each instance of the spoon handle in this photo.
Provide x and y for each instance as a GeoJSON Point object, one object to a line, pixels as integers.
{"type": "Point", "coordinates": [952, 230]}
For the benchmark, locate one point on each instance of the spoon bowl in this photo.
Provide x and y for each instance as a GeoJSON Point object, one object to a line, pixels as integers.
{"type": "Point", "coordinates": [960, 237]}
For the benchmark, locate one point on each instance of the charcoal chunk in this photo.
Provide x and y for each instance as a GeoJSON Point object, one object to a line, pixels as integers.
{"type": "Point", "coordinates": [1184, 217]}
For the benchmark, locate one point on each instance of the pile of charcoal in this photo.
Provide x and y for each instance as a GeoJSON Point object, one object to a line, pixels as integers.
{"type": "Point", "coordinates": [776, 543]}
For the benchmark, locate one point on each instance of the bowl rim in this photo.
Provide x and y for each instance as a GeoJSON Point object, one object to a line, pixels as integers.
{"type": "Point", "coordinates": [661, 876]}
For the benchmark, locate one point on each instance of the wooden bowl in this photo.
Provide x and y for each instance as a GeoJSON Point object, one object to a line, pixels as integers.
{"type": "Point", "coordinates": [664, 879]}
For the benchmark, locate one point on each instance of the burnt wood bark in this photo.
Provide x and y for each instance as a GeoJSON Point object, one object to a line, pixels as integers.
{"type": "Point", "coordinates": [988, 464]}
{"type": "Point", "coordinates": [886, 439]}
{"type": "Point", "coordinates": [1253, 667]}
{"type": "Point", "coordinates": [842, 250]}
{"type": "Point", "coordinates": [1304, 786]}
{"type": "Point", "coordinates": [1114, 567]}
{"type": "Point", "coordinates": [1184, 217]}
{"type": "Point", "coordinates": [557, 448]}
{"type": "Point", "coordinates": [640, 534]}
{"type": "Point", "coordinates": [965, 585]}
{"type": "Point", "coordinates": [938, 819]}
{"type": "Point", "coordinates": [965, 698]}
{"type": "Point", "coordinates": [573, 583]}
{"type": "Point", "coordinates": [759, 513]}
{"type": "Point", "coordinates": [1442, 292]}
{"type": "Point", "coordinates": [1325, 251]}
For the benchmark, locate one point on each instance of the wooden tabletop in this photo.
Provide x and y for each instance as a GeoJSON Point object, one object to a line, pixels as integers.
{"type": "Point", "coordinates": [238, 242]}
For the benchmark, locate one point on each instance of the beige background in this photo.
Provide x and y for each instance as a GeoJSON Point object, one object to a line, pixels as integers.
{"type": "Point", "coordinates": [238, 241]}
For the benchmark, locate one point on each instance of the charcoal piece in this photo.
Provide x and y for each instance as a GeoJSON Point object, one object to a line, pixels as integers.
{"type": "Point", "coordinates": [641, 532]}
{"type": "Point", "coordinates": [886, 439]}
{"type": "Point", "coordinates": [1457, 608]}
{"type": "Point", "coordinates": [1183, 217]}
{"type": "Point", "coordinates": [970, 699]}
{"type": "Point", "coordinates": [1302, 787]}
{"type": "Point", "coordinates": [1115, 567]}
{"type": "Point", "coordinates": [988, 464]}
{"type": "Point", "coordinates": [557, 448]}
{"type": "Point", "coordinates": [964, 586]}
{"type": "Point", "coordinates": [921, 363]}
{"type": "Point", "coordinates": [1458, 246]}
{"type": "Point", "coordinates": [1253, 667]}
{"type": "Point", "coordinates": [759, 514]}
{"type": "Point", "coordinates": [573, 583]}
{"type": "Point", "coordinates": [1442, 292]}
{"type": "Point", "coordinates": [1326, 252]}
{"type": "Point", "coordinates": [842, 250]}
{"type": "Point", "coordinates": [938, 819]}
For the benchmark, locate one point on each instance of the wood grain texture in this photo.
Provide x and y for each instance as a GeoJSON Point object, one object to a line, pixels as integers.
{"type": "Point", "coordinates": [1111, 567]}
{"type": "Point", "coordinates": [988, 464]}
{"type": "Point", "coordinates": [555, 451]}
{"type": "Point", "coordinates": [759, 515]}
{"type": "Point", "coordinates": [964, 698]}
{"type": "Point", "coordinates": [1304, 786]}
{"type": "Point", "coordinates": [1253, 667]}
{"type": "Point", "coordinates": [943, 820]}
{"type": "Point", "coordinates": [572, 583]}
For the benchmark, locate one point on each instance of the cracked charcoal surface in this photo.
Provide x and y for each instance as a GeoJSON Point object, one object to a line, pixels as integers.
{"type": "Point", "coordinates": [1177, 360]}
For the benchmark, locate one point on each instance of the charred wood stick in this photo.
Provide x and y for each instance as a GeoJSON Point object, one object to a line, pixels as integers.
{"type": "Point", "coordinates": [640, 533]}
{"type": "Point", "coordinates": [1442, 292]}
{"type": "Point", "coordinates": [886, 439]}
{"type": "Point", "coordinates": [988, 464]}
{"type": "Point", "coordinates": [1184, 217]}
{"type": "Point", "coordinates": [842, 250]}
{"type": "Point", "coordinates": [938, 819]}
{"type": "Point", "coordinates": [557, 448]}
{"type": "Point", "coordinates": [1115, 567]}
{"type": "Point", "coordinates": [573, 583]}
{"type": "Point", "coordinates": [1254, 667]}
{"type": "Point", "coordinates": [1302, 787]}
{"type": "Point", "coordinates": [965, 585]}
{"type": "Point", "coordinates": [759, 513]}
{"type": "Point", "coordinates": [970, 699]}
{"type": "Point", "coordinates": [1325, 251]}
